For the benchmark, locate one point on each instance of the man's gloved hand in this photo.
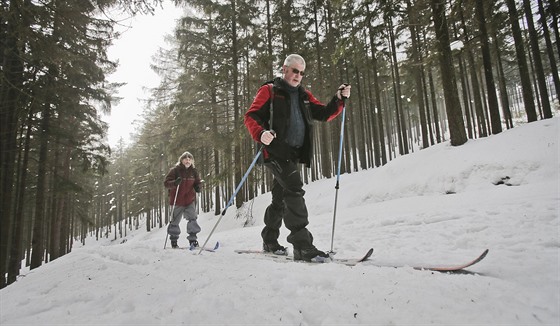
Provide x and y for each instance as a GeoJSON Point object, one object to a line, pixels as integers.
{"type": "Point", "coordinates": [267, 137]}
{"type": "Point", "coordinates": [177, 181]}
{"type": "Point", "coordinates": [343, 91]}
{"type": "Point", "coordinates": [198, 187]}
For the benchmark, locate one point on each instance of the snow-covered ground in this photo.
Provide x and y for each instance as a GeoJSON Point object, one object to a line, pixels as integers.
{"type": "Point", "coordinates": [441, 205]}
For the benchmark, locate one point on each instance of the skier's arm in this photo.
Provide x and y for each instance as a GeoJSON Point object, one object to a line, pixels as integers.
{"type": "Point", "coordinates": [328, 112]}
{"type": "Point", "coordinates": [169, 181]}
{"type": "Point", "coordinates": [197, 185]}
{"type": "Point", "coordinates": [258, 115]}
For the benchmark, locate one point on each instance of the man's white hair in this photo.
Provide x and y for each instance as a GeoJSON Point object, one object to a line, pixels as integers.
{"type": "Point", "coordinates": [294, 58]}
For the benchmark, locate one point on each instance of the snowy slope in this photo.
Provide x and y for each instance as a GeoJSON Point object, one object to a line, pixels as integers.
{"type": "Point", "coordinates": [440, 205]}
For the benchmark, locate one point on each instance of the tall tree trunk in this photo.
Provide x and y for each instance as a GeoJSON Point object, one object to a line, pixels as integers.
{"type": "Point", "coordinates": [65, 227]}
{"type": "Point", "coordinates": [330, 48]}
{"type": "Point", "coordinates": [348, 130]}
{"type": "Point", "coordinates": [439, 135]}
{"type": "Point", "coordinates": [361, 142]}
{"type": "Point", "coordinates": [38, 241]}
{"type": "Point", "coordinates": [452, 104]}
{"type": "Point", "coordinates": [399, 111]}
{"type": "Point", "coordinates": [57, 202]}
{"type": "Point", "coordinates": [325, 161]}
{"type": "Point", "coordinates": [417, 71]}
{"type": "Point", "coordinates": [269, 41]}
{"type": "Point", "coordinates": [240, 196]}
{"type": "Point", "coordinates": [555, 9]}
{"type": "Point", "coordinates": [16, 248]}
{"type": "Point", "coordinates": [12, 107]}
{"type": "Point", "coordinates": [526, 89]}
{"type": "Point", "coordinates": [217, 170]}
{"type": "Point", "coordinates": [466, 98]}
{"type": "Point", "coordinates": [549, 49]}
{"type": "Point", "coordinates": [502, 83]}
{"type": "Point", "coordinates": [482, 131]}
{"type": "Point", "coordinates": [426, 100]}
{"type": "Point", "coordinates": [539, 71]}
{"type": "Point", "coordinates": [373, 139]}
{"type": "Point", "coordinates": [493, 107]}
{"type": "Point", "coordinates": [379, 132]}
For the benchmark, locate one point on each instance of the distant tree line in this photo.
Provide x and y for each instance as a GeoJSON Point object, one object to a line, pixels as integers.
{"type": "Point", "coordinates": [422, 72]}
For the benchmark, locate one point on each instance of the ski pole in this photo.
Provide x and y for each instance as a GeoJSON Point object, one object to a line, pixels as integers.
{"type": "Point", "coordinates": [232, 197]}
{"type": "Point", "coordinates": [197, 198]}
{"type": "Point", "coordinates": [337, 186]}
{"type": "Point", "coordinates": [171, 214]}
{"type": "Point", "coordinates": [196, 207]}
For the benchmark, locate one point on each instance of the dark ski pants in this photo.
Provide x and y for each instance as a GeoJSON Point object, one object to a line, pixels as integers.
{"type": "Point", "coordinates": [189, 212]}
{"type": "Point", "coordinates": [287, 204]}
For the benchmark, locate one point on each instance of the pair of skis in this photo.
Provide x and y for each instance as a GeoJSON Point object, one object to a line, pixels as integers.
{"type": "Point", "coordinates": [353, 262]}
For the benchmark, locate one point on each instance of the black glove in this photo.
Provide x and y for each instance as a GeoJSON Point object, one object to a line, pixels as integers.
{"type": "Point", "coordinates": [177, 181]}
{"type": "Point", "coordinates": [197, 188]}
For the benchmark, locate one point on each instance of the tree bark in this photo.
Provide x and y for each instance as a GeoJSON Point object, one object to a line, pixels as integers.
{"type": "Point", "coordinates": [417, 71]}
{"type": "Point", "coordinates": [549, 49]}
{"type": "Point", "coordinates": [539, 71]}
{"type": "Point", "coordinates": [38, 241]}
{"type": "Point", "coordinates": [12, 107]}
{"type": "Point", "coordinates": [493, 107]}
{"type": "Point", "coordinates": [526, 89]}
{"type": "Point", "coordinates": [452, 105]}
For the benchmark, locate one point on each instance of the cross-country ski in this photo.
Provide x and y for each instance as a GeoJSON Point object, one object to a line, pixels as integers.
{"type": "Point", "coordinates": [450, 268]}
{"type": "Point", "coordinates": [286, 258]}
{"type": "Point", "coordinates": [192, 248]}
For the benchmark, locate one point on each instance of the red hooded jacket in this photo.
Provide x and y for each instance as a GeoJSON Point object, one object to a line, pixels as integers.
{"type": "Point", "coordinates": [189, 182]}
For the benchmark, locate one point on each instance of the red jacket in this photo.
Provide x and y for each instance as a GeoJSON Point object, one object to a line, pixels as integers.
{"type": "Point", "coordinates": [189, 182]}
{"type": "Point", "coordinates": [257, 118]}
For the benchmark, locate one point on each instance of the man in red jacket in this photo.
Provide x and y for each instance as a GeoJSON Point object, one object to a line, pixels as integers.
{"type": "Point", "coordinates": [280, 118]}
{"type": "Point", "coordinates": [185, 176]}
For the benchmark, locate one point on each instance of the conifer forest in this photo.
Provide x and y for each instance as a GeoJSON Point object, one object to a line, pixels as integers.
{"type": "Point", "coordinates": [422, 72]}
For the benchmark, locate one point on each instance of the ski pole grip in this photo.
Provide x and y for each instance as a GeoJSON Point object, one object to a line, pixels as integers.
{"type": "Point", "coordinates": [340, 89]}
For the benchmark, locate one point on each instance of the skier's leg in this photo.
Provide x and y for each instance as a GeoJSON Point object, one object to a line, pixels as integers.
{"type": "Point", "coordinates": [295, 216]}
{"type": "Point", "coordinates": [173, 228]}
{"type": "Point", "coordinates": [192, 225]}
{"type": "Point", "coordinates": [273, 215]}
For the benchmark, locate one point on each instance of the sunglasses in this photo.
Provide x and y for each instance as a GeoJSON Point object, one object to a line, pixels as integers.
{"type": "Point", "coordinates": [296, 71]}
